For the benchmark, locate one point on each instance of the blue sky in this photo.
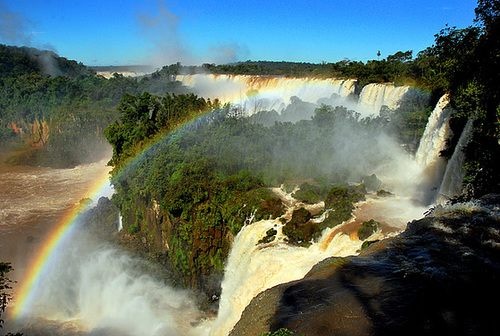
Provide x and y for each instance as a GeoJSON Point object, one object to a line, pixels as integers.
{"type": "Point", "coordinates": [195, 31]}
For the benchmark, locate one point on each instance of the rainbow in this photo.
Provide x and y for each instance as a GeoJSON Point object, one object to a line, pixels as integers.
{"type": "Point", "coordinates": [27, 291]}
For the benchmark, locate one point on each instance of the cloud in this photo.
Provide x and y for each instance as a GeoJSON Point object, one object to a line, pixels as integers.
{"type": "Point", "coordinates": [14, 27]}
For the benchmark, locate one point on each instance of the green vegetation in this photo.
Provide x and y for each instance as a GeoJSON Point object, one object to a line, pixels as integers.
{"type": "Point", "coordinates": [401, 68]}
{"type": "Point", "coordinates": [299, 231]}
{"type": "Point", "coordinates": [199, 184]}
{"type": "Point", "coordinates": [269, 237]}
{"type": "Point", "coordinates": [279, 332]}
{"type": "Point", "coordinates": [367, 229]}
{"type": "Point", "coordinates": [311, 194]}
{"type": "Point", "coordinates": [384, 193]}
{"type": "Point", "coordinates": [57, 108]}
{"type": "Point", "coordinates": [467, 58]}
{"type": "Point", "coordinates": [341, 201]}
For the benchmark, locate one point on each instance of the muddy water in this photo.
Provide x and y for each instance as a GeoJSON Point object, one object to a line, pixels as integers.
{"type": "Point", "coordinates": [32, 200]}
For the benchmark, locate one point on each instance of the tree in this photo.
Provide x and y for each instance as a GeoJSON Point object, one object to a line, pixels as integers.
{"type": "Point", "coordinates": [4, 288]}
{"type": "Point", "coordinates": [487, 13]}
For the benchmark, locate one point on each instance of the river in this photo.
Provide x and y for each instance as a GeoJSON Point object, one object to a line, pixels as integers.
{"type": "Point", "coordinates": [32, 201]}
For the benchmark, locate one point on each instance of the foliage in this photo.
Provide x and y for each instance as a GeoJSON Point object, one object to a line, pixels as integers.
{"type": "Point", "coordinates": [37, 86]}
{"type": "Point", "coordinates": [400, 68]}
{"type": "Point", "coordinates": [311, 194]}
{"type": "Point", "coordinates": [299, 230]}
{"type": "Point", "coordinates": [466, 59]}
{"type": "Point", "coordinates": [207, 179]}
{"type": "Point", "coordinates": [341, 202]}
{"type": "Point", "coordinates": [279, 332]}
{"type": "Point", "coordinates": [4, 288]}
{"type": "Point", "coordinates": [269, 237]}
{"type": "Point", "coordinates": [367, 229]}
{"type": "Point", "coordinates": [384, 193]}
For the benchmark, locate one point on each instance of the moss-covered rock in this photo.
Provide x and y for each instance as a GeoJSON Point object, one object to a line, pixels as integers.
{"type": "Point", "coordinates": [299, 230]}
{"type": "Point", "coordinates": [269, 237]}
{"type": "Point", "coordinates": [367, 229]}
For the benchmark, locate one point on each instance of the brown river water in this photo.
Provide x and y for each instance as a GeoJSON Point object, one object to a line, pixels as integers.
{"type": "Point", "coordinates": [32, 200]}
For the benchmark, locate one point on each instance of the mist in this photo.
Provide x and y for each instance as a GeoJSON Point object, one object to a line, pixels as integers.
{"type": "Point", "coordinates": [348, 138]}
{"type": "Point", "coordinates": [162, 28]}
{"type": "Point", "coordinates": [14, 27]}
{"type": "Point", "coordinates": [95, 288]}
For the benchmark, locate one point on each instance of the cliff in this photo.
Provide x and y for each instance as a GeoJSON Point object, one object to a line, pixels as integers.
{"type": "Point", "coordinates": [438, 277]}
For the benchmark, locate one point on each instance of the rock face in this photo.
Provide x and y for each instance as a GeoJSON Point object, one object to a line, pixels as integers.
{"type": "Point", "coordinates": [439, 277]}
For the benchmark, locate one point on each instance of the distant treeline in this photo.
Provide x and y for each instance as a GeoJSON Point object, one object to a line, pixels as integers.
{"type": "Point", "coordinates": [425, 70]}
{"type": "Point", "coordinates": [38, 86]}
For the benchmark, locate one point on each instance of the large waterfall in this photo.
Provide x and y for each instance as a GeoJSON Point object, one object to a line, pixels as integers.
{"type": "Point", "coordinates": [261, 93]}
{"type": "Point", "coordinates": [252, 267]}
{"type": "Point", "coordinates": [374, 96]}
{"type": "Point", "coordinates": [441, 179]}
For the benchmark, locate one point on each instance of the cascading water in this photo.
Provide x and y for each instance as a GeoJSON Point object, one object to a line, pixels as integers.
{"type": "Point", "coordinates": [258, 93]}
{"type": "Point", "coordinates": [252, 268]}
{"type": "Point", "coordinates": [266, 93]}
{"type": "Point", "coordinates": [375, 95]}
{"type": "Point", "coordinates": [120, 222]}
{"type": "Point", "coordinates": [454, 174]}
{"type": "Point", "coordinates": [433, 141]}
{"type": "Point", "coordinates": [94, 288]}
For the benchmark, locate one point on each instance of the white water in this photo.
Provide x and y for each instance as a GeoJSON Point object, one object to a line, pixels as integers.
{"type": "Point", "coordinates": [265, 93]}
{"type": "Point", "coordinates": [120, 223]}
{"type": "Point", "coordinates": [98, 289]}
{"type": "Point", "coordinates": [432, 143]}
{"type": "Point", "coordinates": [253, 268]}
{"type": "Point", "coordinates": [452, 180]}
{"type": "Point", "coordinates": [374, 96]}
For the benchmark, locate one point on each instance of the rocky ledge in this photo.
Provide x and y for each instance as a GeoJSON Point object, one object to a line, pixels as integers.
{"type": "Point", "coordinates": [439, 277]}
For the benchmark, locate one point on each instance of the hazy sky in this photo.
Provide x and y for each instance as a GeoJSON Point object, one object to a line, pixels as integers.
{"type": "Point", "coordinates": [112, 32]}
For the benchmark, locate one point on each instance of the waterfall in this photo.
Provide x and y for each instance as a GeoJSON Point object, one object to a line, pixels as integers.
{"type": "Point", "coordinates": [433, 141]}
{"type": "Point", "coordinates": [258, 93]}
{"type": "Point", "coordinates": [374, 96]}
{"type": "Point", "coordinates": [266, 93]}
{"type": "Point", "coordinates": [120, 222]}
{"type": "Point", "coordinates": [97, 289]}
{"type": "Point", "coordinates": [435, 134]}
{"type": "Point", "coordinates": [452, 180]}
{"type": "Point", "coordinates": [252, 268]}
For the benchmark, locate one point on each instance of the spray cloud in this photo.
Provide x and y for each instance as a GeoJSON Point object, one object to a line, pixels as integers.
{"type": "Point", "coordinates": [14, 28]}
{"type": "Point", "coordinates": [162, 28]}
